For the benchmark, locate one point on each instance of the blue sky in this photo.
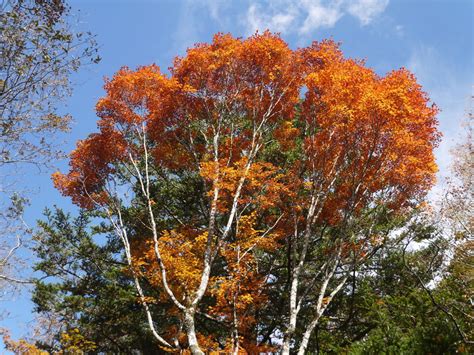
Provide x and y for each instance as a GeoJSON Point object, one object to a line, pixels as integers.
{"type": "Point", "coordinates": [433, 38]}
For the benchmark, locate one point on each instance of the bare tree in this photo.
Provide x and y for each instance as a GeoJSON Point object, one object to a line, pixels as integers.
{"type": "Point", "coordinates": [39, 50]}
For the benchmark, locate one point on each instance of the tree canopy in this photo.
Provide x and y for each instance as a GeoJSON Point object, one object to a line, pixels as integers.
{"type": "Point", "coordinates": [252, 179]}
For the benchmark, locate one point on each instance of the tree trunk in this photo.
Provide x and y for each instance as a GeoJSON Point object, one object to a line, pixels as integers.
{"type": "Point", "coordinates": [191, 333]}
{"type": "Point", "coordinates": [307, 335]}
{"type": "Point", "coordinates": [293, 314]}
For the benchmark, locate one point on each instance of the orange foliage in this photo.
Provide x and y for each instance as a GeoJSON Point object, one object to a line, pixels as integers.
{"type": "Point", "coordinates": [20, 346]}
{"type": "Point", "coordinates": [181, 251]}
{"type": "Point", "coordinates": [376, 135]}
{"type": "Point", "coordinates": [361, 140]}
{"type": "Point", "coordinates": [241, 290]}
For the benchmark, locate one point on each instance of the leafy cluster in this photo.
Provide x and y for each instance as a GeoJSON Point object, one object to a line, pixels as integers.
{"type": "Point", "coordinates": [257, 199]}
{"type": "Point", "coordinates": [253, 171]}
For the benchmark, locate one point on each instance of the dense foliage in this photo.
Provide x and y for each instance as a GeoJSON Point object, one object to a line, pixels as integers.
{"type": "Point", "coordinates": [257, 199]}
{"type": "Point", "coordinates": [382, 309]}
{"type": "Point", "coordinates": [253, 179]}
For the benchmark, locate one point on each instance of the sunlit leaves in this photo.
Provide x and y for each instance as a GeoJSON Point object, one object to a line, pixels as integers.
{"type": "Point", "coordinates": [301, 148]}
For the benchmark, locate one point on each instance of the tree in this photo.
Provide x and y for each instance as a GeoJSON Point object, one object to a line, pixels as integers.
{"type": "Point", "coordinates": [21, 346]}
{"type": "Point", "coordinates": [457, 204]}
{"type": "Point", "coordinates": [382, 308]}
{"type": "Point", "coordinates": [39, 51]}
{"type": "Point", "coordinates": [83, 288]}
{"type": "Point", "coordinates": [293, 165]}
{"type": "Point", "coordinates": [415, 294]}
{"type": "Point", "coordinates": [455, 214]}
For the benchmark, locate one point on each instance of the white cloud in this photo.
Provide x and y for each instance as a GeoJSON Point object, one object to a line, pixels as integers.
{"type": "Point", "coordinates": [305, 16]}
{"type": "Point", "coordinates": [366, 10]}
{"type": "Point", "coordinates": [188, 28]}
{"type": "Point", "coordinates": [319, 15]}
{"type": "Point", "coordinates": [216, 8]}
{"type": "Point", "coordinates": [259, 19]}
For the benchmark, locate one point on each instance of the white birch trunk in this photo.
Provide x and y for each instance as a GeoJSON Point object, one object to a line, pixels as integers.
{"type": "Point", "coordinates": [190, 328]}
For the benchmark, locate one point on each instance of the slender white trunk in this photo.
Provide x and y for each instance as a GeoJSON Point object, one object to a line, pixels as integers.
{"type": "Point", "coordinates": [293, 316]}
{"type": "Point", "coordinates": [191, 332]}
{"type": "Point", "coordinates": [122, 233]}
{"type": "Point", "coordinates": [144, 180]}
{"type": "Point", "coordinates": [321, 307]}
{"type": "Point", "coordinates": [294, 309]}
{"type": "Point", "coordinates": [235, 331]}
{"type": "Point", "coordinates": [307, 335]}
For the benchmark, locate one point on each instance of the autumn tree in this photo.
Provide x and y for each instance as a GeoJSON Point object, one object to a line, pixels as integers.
{"type": "Point", "coordinates": [368, 153]}
{"type": "Point", "coordinates": [251, 170]}
{"type": "Point", "coordinates": [39, 50]}
{"type": "Point", "coordinates": [456, 205]}
{"type": "Point", "coordinates": [20, 346]}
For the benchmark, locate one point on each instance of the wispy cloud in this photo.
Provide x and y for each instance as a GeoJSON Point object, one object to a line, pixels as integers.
{"type": "Point", "coordinates": [305, 16]}
{"type": "Point", "coordinates": [319, 15]}
{"type": "Point", "coordinates": [366, 10]}
{"type": "Point", "coordinates": [216, 10]}
{"type": "Point", "coordinates": [274, 19]}
{"type": "Point", "coordinates": [189, 27]}
{"type": "Point", "coordinates": [300, 17]}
